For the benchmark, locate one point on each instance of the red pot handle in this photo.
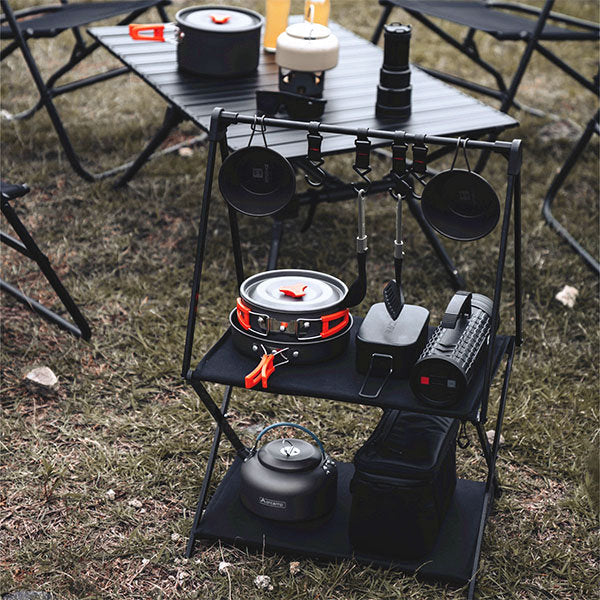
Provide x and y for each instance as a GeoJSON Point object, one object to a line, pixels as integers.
{"type": "Point", "coordinates": [243, 314]}
{"type": "Point", "coordinates": [326, 331]}
{"type": "Point", "coordinates": [158, 30]}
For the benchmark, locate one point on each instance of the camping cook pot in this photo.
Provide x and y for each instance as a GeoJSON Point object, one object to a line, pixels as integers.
{"type": "Point", "coordinates": [288, 479]}
{"type": "Point", "coordinates": [290, 315]}
{"type": "Point", "coordinates": [218, 41]}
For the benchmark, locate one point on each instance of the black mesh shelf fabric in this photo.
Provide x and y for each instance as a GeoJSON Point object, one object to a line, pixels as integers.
{"type": "Point", "coordinates": [451, 559]}
{"type": "Point", "coordinates": [336, 379]}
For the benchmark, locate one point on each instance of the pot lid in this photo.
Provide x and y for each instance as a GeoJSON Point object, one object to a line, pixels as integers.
{"type": "Point", "coordinates": [290, 455]}
{"type": "Point", "coordinates": [224, 19]}
{"type": "Point", "coordinates": [293, 291]}
{"type": "Point", "coordinates": [308, 31]}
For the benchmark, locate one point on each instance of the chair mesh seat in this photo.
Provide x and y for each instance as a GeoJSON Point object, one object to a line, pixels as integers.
{"type": "Point", "coordinates": [502, 25]}
{"type": "Point", "coordinates": [48, 24]}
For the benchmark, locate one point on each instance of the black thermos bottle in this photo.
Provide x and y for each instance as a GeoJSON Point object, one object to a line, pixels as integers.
{"type": "Point", "coordinates": [394, 89]}
{"type": "Point", "coordinates": [446, 367]}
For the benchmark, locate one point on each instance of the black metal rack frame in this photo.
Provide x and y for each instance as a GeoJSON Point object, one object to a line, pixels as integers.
{"type": "Point", "coordinates": [504, 345]}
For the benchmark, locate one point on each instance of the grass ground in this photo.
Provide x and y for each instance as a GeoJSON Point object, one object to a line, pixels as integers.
{"type": "Point", "coordinates": [122, 419]}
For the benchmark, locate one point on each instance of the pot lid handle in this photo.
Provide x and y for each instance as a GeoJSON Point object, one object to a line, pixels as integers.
{"type": "Point", "coordinates": [220, 18]}
{"type": "Point", "coordinates": [286, 424]}
{"type": "Point", "coordinates": [296, 290]}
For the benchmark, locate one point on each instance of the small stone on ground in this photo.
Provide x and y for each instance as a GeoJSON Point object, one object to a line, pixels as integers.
{"type": "Point", "coordinates": [567, 296]}
{"type": "Point", "coordinates": [42, 376]}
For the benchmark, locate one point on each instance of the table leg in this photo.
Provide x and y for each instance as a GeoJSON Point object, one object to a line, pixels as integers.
{"type": "Point", "coordinates": [276, 235]}
{"type": "Point", "coordinates": [415, 208]}
{"type": "Point", "coordinates": [173, 116]}
{"type": "Point", "coordinates": [207, 476]}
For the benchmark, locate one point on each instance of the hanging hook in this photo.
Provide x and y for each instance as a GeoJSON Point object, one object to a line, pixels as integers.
{"type": "Point", "coordinates": [262, 129]}
{"type": "Point", "coordinates": [363, 176]}
{"type": "Point", "coordinates": [399, 171]}
{"type": "Point", "coordinates": [314, 155]}
{"type": "Point", "coordinates": [419, 151]}
{"type": "Point", "coordinates": [465, 153]}
{"type": "Point", "coordinates": [361, 164]}
{"type": "Point", "coordinates": [459, 142]}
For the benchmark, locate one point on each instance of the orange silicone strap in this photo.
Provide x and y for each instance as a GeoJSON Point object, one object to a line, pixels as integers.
{"type": "Point", "coordinates": [243, 313]}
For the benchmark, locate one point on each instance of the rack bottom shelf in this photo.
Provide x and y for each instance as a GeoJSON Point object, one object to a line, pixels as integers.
{"type": "Point", "coordinates": [226, 519]}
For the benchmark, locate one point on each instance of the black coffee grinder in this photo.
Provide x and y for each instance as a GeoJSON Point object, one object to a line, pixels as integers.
{"type": "Point", "coordinates": [394, 89]}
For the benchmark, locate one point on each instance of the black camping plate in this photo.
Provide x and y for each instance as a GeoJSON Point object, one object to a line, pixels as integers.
{"type": "Point", "coordinates": [461, 205]}
{"type": "Point", "coordinates": [257, 181]}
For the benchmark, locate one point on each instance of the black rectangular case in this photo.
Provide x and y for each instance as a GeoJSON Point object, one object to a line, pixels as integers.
{"type": "Point", "coordinates": [405, 476]}
{"type": "Point", "coordinates": [402, 340]}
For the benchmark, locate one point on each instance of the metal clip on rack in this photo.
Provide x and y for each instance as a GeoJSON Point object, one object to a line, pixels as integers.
{"type": "Point", "coordinates": [457, 558]}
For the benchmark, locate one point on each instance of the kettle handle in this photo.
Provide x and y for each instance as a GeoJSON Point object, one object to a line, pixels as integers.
{"type": "Point", "coordinates": [285, 424]}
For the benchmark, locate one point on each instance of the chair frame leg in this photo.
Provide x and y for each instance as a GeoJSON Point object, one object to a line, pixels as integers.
{"type": "Point", "coordinates": [592, 127]}
{"type": "Point", "coordinates": [30, 249]}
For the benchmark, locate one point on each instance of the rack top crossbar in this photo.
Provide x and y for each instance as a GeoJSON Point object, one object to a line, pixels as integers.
{"type": "Point", "coordinates": [222, 118]}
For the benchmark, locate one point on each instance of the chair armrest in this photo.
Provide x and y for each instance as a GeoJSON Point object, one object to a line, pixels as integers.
{"type": "Point", "coordinates": [34, 10]}
{"type": "Point", "coordinates": [554, 16]}
{"type": "Point", "coordinates": [10, 191]}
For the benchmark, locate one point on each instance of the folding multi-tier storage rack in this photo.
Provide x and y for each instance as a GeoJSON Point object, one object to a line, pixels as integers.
{"type": "Point", "coordinates": [455, 557]}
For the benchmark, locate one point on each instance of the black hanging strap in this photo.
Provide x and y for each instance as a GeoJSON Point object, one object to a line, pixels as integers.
{"type": "Point", "coordinates": [419, 152]}
{"type": "Point", "coordinates": [399, 150]}
{"type": "Point", "coordinates": [362, 160]}
{"type": "Point", "coordinates": [315, 139]}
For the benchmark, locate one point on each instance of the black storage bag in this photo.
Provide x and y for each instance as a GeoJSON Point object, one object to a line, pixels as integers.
{"type": "Point", "coordinates": [405, 476]}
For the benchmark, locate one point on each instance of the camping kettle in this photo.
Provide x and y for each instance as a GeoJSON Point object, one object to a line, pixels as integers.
{"type": "Point", "coordinates": [288, 479]}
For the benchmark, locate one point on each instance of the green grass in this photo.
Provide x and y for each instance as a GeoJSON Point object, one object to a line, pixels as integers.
{"type": "Point", "coordinates": [123, 420]}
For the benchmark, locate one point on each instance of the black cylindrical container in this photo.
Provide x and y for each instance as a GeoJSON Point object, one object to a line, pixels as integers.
{"type": "Point", "coordinates": [452, 355]}
{"type": "Point", "coordinates": [218, 41]}
{"type": "Point", "coordinates": [394, 89]}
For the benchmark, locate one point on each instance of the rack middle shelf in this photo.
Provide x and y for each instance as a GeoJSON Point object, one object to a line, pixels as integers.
{"type": "Point", "coordinates": [337, 379]}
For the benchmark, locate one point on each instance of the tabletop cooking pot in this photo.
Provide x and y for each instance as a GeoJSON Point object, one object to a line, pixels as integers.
{"type": "Point", "coordinates": [218, 41]}
{"type": "Point", "coordinates": [288, 479]}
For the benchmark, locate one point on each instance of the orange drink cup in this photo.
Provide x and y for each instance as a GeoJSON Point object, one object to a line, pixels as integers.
{"type": "Point", "coordinates": [276, 17]}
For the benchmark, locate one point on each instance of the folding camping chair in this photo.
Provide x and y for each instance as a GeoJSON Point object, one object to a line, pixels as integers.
{"type": "Point", "coordinates": [592, 127]}
{"type": "Point", "coordinates": [505, 21]}
{"type": "Point", "coordinates": [49, 21]}
{"type": "Point", "coordinates": [26, 245]}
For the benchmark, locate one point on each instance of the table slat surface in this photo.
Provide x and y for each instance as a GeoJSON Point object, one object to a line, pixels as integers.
{"type": "Point", "coordinates": [350, 91]}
